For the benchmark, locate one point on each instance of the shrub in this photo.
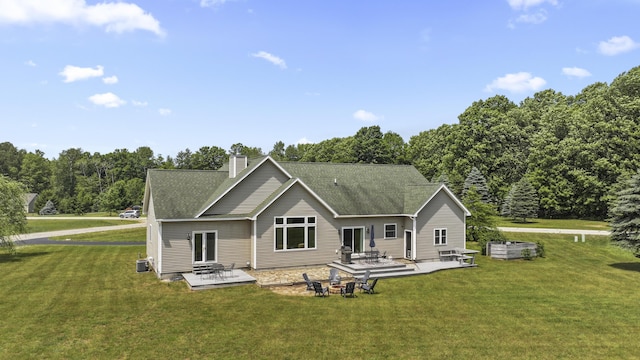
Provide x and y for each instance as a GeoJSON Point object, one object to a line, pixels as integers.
{"type": "Point", "coordinates": [526, 254]}
{"type": "Point", "coordinates": [540, 249]}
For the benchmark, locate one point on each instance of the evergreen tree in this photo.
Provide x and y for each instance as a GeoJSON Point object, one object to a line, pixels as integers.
{"type": "Point", "coordinates": [521, 201]}
{"type": "Point", "coordinates": [481, 219]}
{"type": "Point", "coordinates": [625, 215]}
{"type": "Point", "coordinates": [477, 180]}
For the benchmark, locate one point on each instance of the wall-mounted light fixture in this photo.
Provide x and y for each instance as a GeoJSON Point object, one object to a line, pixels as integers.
{"type": "Point", "coordinates": [189, 236]}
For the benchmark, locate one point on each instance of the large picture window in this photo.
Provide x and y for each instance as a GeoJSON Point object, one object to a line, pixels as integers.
{"type": "Point", "coordinates": [295, 233]}
{"type": "Point", "coordinates": [204, 246]}
{"type": "Point", "coordinates": [440, 236]}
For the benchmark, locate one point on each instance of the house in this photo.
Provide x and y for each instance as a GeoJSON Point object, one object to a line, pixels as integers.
{"type": "Point", "coordinates": [265, 214]}
{"type": "Point", "coordinates": [30, 202]}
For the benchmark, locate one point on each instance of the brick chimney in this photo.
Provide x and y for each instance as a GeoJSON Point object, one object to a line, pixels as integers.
{"type": "Point", "coordinates": [237, 163]}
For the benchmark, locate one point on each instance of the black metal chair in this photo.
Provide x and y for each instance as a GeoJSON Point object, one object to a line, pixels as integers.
{"type": "Point", "coordinates": [320, 291]}
{"type": "Point", "coordinates": [229, 269]}
{"type": "Point", "coordinates": [348, 290]}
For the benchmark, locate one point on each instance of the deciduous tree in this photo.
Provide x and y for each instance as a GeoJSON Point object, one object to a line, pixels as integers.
{"type": "Point", "coordinates": [13, 218]}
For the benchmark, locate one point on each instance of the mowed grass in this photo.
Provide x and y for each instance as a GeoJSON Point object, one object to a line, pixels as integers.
{"type": "Point", "coordinates": [48, 224]}
{"type": "Point", "coordinates": [122, 235]}
{"type": "Point", "coordinates": [554, 224]}
{"type": "Point", "coordinates": [581, 301]}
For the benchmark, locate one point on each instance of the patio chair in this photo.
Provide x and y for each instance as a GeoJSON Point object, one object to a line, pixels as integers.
{"type": "Point", "coordinates": [309, 283]}
{"type": "Point", "coordinates": [348, 290]}
{"type": "Point", "coordinates": [368, 288]}
{"type": "Point", "coordinates": [364, 279]}
{"type": "Point", "coordinates": [334, 277]}
{"type": "Point", "coordinates": [320, 291]}
{"type": "Point", "coordinates": [229, 269]}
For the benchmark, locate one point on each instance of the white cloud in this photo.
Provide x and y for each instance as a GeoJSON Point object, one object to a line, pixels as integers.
{"type": "Point", "coordinates": [575, 72]}
{"type": "Point", "coordinates": [74, 73]}
{"type": "Point", "coordinates": [110, 80]}
{"type": "Point", "coordinates": [304, 140]}
{"type": "Point", "coordinates": [525, 4]}
{"type": "Point", "coordinates": [118, 17]}
{"type": "Point", "coordinates": [271, 58]}
{"type": "Point", "coordinates": [164, 112]}
{"type": "Point", "coordinates": [108, 100]}
{"type": "Point", "coordinates": [364, 115]}
{"type": "Point", "coordinates": [139, 103]}
{"type": "Point", "coordinates": [617, 45]}
{"type": "Point", "coordinates": [30, 63]}
{"type": "Point", "coordinates": [536, 18]}
{"type": "Point", "coordinates": [518, 82]}
{"type": "Point", "coordinates": [212, 3]}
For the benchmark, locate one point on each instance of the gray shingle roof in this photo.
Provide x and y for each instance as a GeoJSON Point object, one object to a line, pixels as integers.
{"type": "Point", "coordinates": [349, 189]}
{"type": "Point", "coordinates": [362, 189]}
{"type": "Point", "coordinates": [178, 194]}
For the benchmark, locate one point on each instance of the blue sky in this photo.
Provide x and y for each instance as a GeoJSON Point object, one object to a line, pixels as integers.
{"type": "Point", "coordinates": [177, 74]}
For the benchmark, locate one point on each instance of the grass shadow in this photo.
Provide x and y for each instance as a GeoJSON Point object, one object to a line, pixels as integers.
{"type": "Point", "coordinates": [8, 258]}
{"type": "Point", "coordinates": [630, 266]}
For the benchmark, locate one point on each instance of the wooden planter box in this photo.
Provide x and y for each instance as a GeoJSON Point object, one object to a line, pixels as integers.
{"type": "Point", "coordinates": [510, 249]}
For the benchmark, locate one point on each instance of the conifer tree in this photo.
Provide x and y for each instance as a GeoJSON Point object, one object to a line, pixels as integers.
{"type": "Point", "coordinates": [477, 180]}
{"type": "Point", "coordinates": [625, 215]}
{"type": "Point", "coordinates": [521, 202]}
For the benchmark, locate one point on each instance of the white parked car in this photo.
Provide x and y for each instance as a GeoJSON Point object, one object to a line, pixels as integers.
{"type": "Point", "coordinates": [130, 214]}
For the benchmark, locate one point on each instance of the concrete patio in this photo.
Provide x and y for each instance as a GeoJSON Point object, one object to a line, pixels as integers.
{"type": "Point", "coordinates": [290, 279]}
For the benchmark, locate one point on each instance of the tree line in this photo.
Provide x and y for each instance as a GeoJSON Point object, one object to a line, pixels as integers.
{"type": "Point", "coordinates": [574, 151]}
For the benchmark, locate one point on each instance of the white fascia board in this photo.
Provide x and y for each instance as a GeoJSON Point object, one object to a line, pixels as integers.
{"type": "Point", "coordinates": [450, 194]}
{"type": "Point", "coordinates": [241, 179]}
{"type": "Point", "coordinates": [373, 216]}
{"type": "Point", "coordinates": [204, 219]}
{"type": "Point", "coordinates": [296, 181]}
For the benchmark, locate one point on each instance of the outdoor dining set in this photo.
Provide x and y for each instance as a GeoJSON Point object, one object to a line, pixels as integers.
{"type": "Point", "coordinates": [213, 270]}
{"type": "Point", "coordinates": [335, 284]}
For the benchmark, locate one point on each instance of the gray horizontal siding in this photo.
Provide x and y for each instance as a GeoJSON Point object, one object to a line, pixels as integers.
{"type": "Point", "coordinates": [233, 244]}
{"type": "Point", "coordinates": [296, 202]}
{"type": "Point", "coordinates": [251, 191]}
{"type": "Point", "coordinates": [441, 212]}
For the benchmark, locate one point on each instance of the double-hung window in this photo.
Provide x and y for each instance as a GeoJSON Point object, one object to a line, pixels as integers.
{"type": "Point", "coordinates": [390, 231]}
{"type": "Point", "coordinates": [440, 236]}
{"type": "Point", "coordinates": [295, 232]}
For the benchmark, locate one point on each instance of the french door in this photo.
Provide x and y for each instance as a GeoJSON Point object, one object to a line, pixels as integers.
{"type": "Point", "coordinates": [353, 237]}
{"type": "Point", "coordinates": [204, 246]}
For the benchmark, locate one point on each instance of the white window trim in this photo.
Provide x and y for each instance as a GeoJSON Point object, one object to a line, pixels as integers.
{"type": "Point", "coordinates": [284, 225]}
{"type": "Point", "coordinates": [395, 230]}
{"type": "Point", "coordinates": [193, 246]}
{"type": "Point", "coordinates": [439, 230]}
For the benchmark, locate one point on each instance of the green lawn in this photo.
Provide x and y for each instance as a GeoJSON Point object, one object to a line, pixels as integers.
{"type": "Point", "coordinates": [48, 224]}
{"type": "Point", "coordinates": [125, 235]}
{"type": "Point", "coordinates": [554, 224]}
{"type": "Point", "coordinates": [580, 302]}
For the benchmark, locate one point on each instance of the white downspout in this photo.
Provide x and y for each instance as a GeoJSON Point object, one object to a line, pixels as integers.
{"type": "Point", "coordinates": [254, 251]}
{"type": "Point", "coordinates": [159, 259]}
{"type": "Point", "coordinates": [414, 239]}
